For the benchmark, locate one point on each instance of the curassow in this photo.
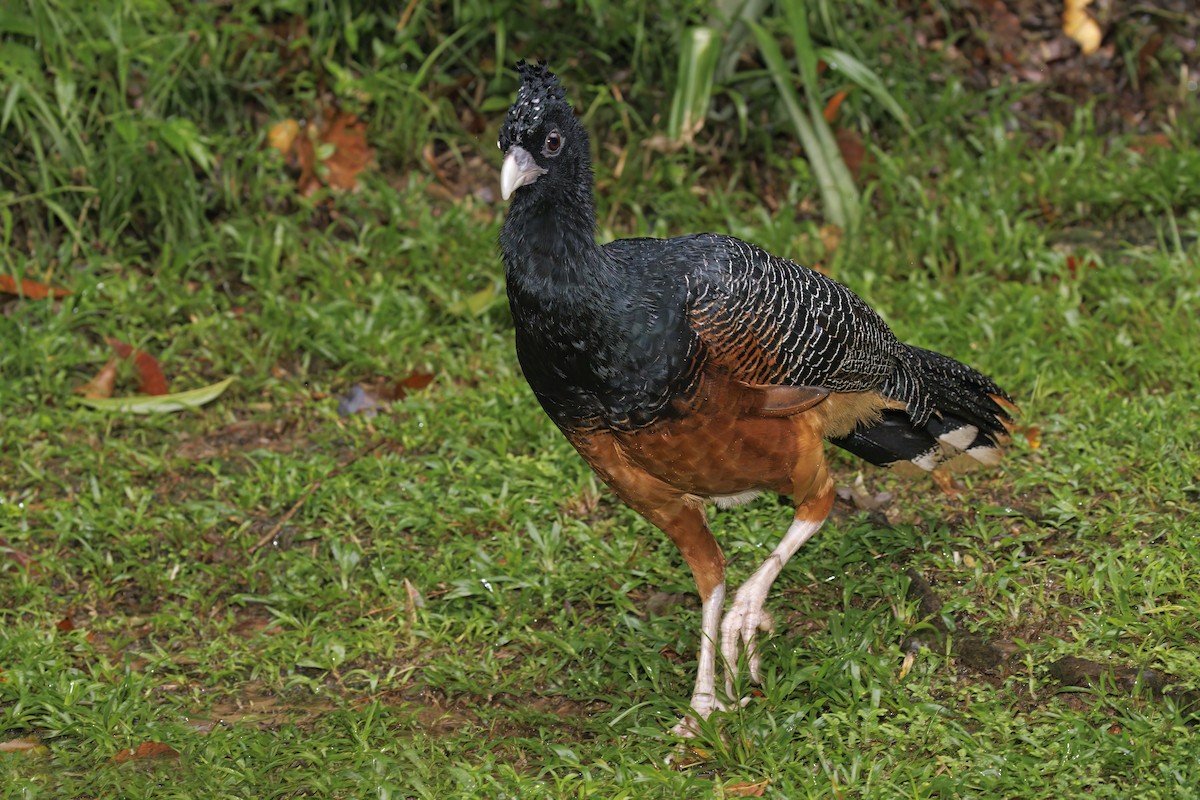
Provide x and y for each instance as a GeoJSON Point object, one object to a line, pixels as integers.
{"type": "Point", "coordinates": [703, 368]}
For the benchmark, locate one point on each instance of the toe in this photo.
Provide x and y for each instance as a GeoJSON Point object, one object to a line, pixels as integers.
{"type": "Point", "coordinates": [687, 728]}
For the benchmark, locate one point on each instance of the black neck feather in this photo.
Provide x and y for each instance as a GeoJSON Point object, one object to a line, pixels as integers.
{"type": "Point", "coordinates": [549, 238]}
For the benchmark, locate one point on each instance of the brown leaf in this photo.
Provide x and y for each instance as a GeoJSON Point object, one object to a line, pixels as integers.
{"type": "Point", "coordinates": [946, 482]}
{"type": "Point", "coordinates": [150, 374]}
{"type": "Point", "coordinates": [151, 379]}
{"type": "Point", "coordinates": [331, 151]}
{"type": "Point", "coordinates": [747, 789]}
{"type": "Point", "coordinates": [831, 108]}
{"type": "Point", "coordinates": [23, 560]}
{"type": "Point", "coordinates": [1033, 435]}
{"type": "Point", "coordinates": [853, 150]}
{"type": "Point", "coordinates": [418, 380]}
{"type": "Point", "coordinates": [100, 386]}
{"type": "Point", "coordinates": [1150, 141]}
{"type": "Point", "coordinates": [1004, 33]}
{"type": "Point", "coordinates": [367, 398]}
{"type": "Point", "coordinates": [351, 153]}
{"type": "Point", "coordinates": [304, 157]}
{"type": "Point", "coordinates": [66, 624]}
{"type": "Point", "coordinates": [146, 750]}
{"type": "Point", "coordinates": [31, 290]}
{"type": "Point", "coordinates": [19, 746]}
{"type": "Point", "coordinates": [670, 654]}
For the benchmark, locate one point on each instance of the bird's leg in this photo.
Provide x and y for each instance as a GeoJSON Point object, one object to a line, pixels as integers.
{"type": "Point", "coordinates": [704, 695]}
{"type": "Point", "coordinates": [681, 517]}
{"type": "Point", "coordinates": [747, 614]}
{"type": "Point", "coordinates": [683, 520]}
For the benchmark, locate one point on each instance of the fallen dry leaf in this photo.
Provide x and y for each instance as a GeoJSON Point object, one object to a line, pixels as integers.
{"type": "Point", "coordinates": [946, 482]}
{"type": "Point", "coordinates": [332, 151]}
{"type": "Point", "coordinates": [1004, 35]}
{"type": "Point", "coordinates": [32, 290]}
{"type": "Point", "coordinates": [146, 750]}
{"type": "Point", "coordinates": [282, 135]}
{"type": "Point", "coordinates": [418, 380]}
{"type": "Point", "coordinates": [1081, 26]}
{"type": "Point", "coordinates": [150, 375]}
{"type": "Point", "coordinates": [351, 153]}
{"type": "Point", "coordinates": [1150, 141]}
{"type": "Point", "coordinates": [66, 624]}
{"type": "Point", "coordinates": [853, 151]}
{"type": "Point", "coordinates": [21, 746]}
{"type": "Point", "coordinates": [415, 600]}
{"type": "Point", "coordinates": [747, 789]}
{"type": "Point", "coordinates": [907, 664]}
{"type": "Point", "coordinates": [24, 560]}
{"type": "Point", "coordinates": [863, 500]}
{"type": "Point", "coordinates": [1033, 435]}
{"type": "Point", "coordinates": [835, 103]}
{"type": "Point", "coordinates": [100, 386]}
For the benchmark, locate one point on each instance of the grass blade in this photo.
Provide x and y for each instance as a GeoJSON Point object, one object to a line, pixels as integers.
{"type": "Point", "coordinates": [865, 77]}
{"type": "Point", "coordinates": [838, 193]}
{"type": "Point", "coordinates": [698, 57]}
{"type": "Point", "coordinates": [806, 55]}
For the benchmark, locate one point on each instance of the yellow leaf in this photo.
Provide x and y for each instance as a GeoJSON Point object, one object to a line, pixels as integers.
{"type": "Point", "coordinates": [1080, 25]}
{"type": "Point", "coordinates": [282, 135]}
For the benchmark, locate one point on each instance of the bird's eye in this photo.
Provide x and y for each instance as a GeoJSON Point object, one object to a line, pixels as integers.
{"type": "Point", "coordinates": [554, 142]}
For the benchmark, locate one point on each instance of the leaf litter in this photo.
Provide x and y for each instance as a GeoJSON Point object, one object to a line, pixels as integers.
{"type": "Point", "coordinates": [331, 151]}
{"type": "Point", "coordinates": [368, 399]}
{"type": "Point", "coordinates": [30, 289]}
{"type": "Point", "coordinates": [155, 396]}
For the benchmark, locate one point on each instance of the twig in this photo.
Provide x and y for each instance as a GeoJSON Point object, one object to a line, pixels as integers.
{"type": "Point", "coordinates": [291, 512]}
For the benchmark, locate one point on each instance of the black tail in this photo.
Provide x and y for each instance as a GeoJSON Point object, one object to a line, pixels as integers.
{"type": "Point", "coordinates": [954, 417]}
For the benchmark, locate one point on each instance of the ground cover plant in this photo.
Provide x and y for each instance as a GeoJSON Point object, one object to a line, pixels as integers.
{"type": "Point", "coordinates": [371, 567]}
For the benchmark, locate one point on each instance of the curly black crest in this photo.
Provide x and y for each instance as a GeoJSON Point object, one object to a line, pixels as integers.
{"type": "Point", "coordinates": [539, 90]}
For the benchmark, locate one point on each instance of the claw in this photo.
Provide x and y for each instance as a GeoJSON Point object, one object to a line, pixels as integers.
{"type": "Point", "coordinates": [689, 726]}
{"type": "Point", "coordinates": [702, 706]}
{"type": "Point", "coordinates": [746, 615]}
{"type": "Point", "coordinates": [740, 627]}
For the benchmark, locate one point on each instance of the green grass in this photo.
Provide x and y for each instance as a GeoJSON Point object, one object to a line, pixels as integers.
{"type": "Point", "coordinates": [462, 610]}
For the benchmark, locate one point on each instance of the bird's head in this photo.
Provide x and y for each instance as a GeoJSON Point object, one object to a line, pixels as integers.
{"type": "Point", "coordinates": [541, 140]}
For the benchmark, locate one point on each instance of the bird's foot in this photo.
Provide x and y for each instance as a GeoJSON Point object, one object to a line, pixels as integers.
{"type": "Point", "coordinates": [702, 706]}
{"type": "Point", "coordinates": [740, 627]}
{"type": "Point", "coordinates": [687, 728]}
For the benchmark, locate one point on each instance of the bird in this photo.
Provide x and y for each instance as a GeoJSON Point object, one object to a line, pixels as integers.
{"type": "Point", "coordinates": [702, 368]}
